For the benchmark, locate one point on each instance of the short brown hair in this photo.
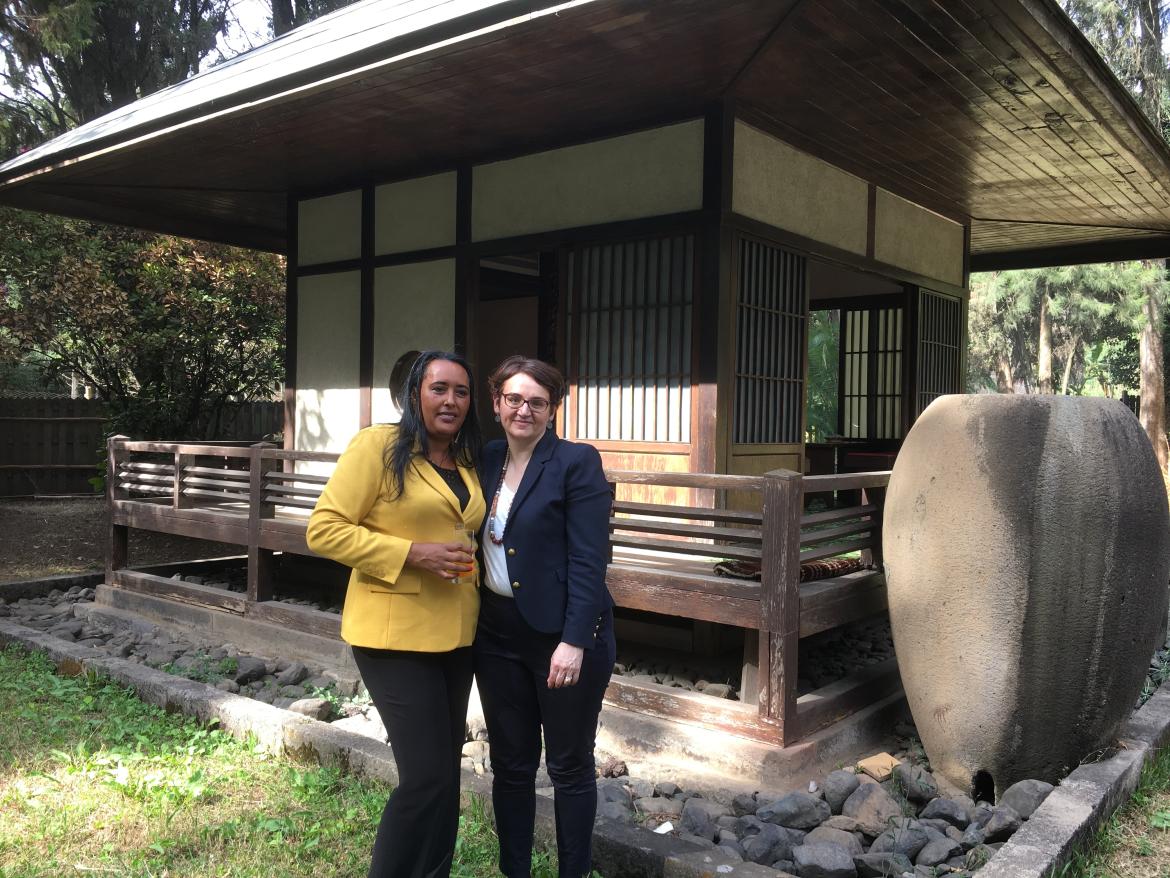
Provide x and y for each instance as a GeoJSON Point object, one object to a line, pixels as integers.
{"type": "Point", "coordinates": [545, 374]}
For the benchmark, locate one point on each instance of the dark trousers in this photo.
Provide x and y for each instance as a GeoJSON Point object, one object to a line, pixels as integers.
{"type": "Point", "coordinates": [422, 699]}
{"type": "Point", "coordinates": [511, 668]}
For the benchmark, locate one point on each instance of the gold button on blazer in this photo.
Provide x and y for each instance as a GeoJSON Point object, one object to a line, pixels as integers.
{"type": "Point", "coordinates": [389, 605]}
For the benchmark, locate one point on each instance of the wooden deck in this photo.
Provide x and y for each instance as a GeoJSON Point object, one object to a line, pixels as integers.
{"type": "Point", "coordinates": [662, 562]}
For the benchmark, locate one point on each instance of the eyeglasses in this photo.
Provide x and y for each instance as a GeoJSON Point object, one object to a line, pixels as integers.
{"type": "Point", "coordinates": [537, 405]}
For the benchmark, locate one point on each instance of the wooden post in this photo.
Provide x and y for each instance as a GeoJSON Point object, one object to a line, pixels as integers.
{"type": "Point", "coordinates": [178, 501]}
{"type": "Point", "coordinates": [872, 557]}
{"type": "Point", "coordinates": [749, 676]}
{"type": "Point", "coordinates": [780, 600]}
{"type": "Point", "coordinates": [261, 562]}
{"type": "Point", "coordinates": [117, 536]}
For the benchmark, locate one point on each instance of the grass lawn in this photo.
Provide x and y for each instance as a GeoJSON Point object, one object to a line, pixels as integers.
{"type": "Point", "coordinates": [1135, 843]}
{"type": "Point", "coordinates": [95, 782]}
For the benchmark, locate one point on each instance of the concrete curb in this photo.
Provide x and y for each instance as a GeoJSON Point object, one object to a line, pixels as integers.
{"type": "Point", "coordinates": [619, 849]}
{"type": "Point", "coordinates": [1084, 800]}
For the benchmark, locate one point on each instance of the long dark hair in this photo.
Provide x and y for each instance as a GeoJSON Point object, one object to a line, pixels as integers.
{"type": "Point", "coordinates": [412, 432]}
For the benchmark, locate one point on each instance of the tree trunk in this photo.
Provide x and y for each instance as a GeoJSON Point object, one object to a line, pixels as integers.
{"type": "Point", "coordinates": [1005, 381]}
{"type": "Point", "coordinates": [1044, 357]}
{"type": "Point", "coordinates": [1153, 398]}
{"type": "Point", "coordinates": [1068, 366]}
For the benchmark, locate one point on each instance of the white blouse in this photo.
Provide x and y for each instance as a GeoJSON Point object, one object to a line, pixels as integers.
{"type": "Point", "coordinates": [493, 555]}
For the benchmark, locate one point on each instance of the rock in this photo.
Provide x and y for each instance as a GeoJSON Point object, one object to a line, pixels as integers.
{"type": "Point", "coordinates": [823, 860]}
{"type": "Point", "coordinates": [1079, 520]}
{"type": "Point", "coordinates": [796, 811]}
{"type": "Point", "coordinates": [613, 767]}
{"type": "Point", "coordinates": [785, 868]}
{"type": "Point", "coordinates": [981, 813]}
{"type": "Point", "coordinates": [4, 611]}
{"type": "Point", "coordinates": [161, 655]}
{"type": "Point", "coordinates": [719, 690]}
{"type": "Point", "coordinates": [317, 708]}
{"type": "Point", "coordinates": [838, 787]}
{"type": "Point", "coordinates": [249, 668]}
{"type": "Point", "coordinates": [938, 851]}
{"type": "Point", "coordinates": [318, 681]}
{"type": "Point", "coordinates": [188, 661]}
{"type": "Point", "coordinates": [228, 686]}
{"type": "Point", "coordinates": [293, 674]}
{"type": "Point", "coordinates": [292, 691]}
{"type": "Point", "coordinates": [640, 789]}
{"type": "Point", "coordinates": [916, 783]}
{"type": "Point", "coordinates": [771, 843]}
{"type": "Point", "coordinates": [907, 842]}
{"type": "Point", "coordinates": [701, 840]}
{"type": "Point", "coordinates": [613, 811]}
{"type": "Point", "coordinates": [732, 851]}
{"type": "Point", "coordinates": [949, 810]}
{"type": "Point", "coordinates": [282, 702]}
{"type": "Point", "coordinates": [840, 821]}
{"type": "Point", "coordinates": [882, 865]}
{"type": "Point", "coordinates": [609, 791]}
{"type": "Point", "coordinates": [747, 825]}
{"type": "Point", "coordinates": [977, 857]}
{"type": "Point", "coordinates": [1025, 796]}
{"type": "Point", "coordinates": [840, 837]}
{"type": "Point", "coordinates": [476, 750]}
{"type": "Point", "coordinates": [659, 806]}
{"type": "Point", "coordinates": [973, 837]}
{"type": "Point", "coordinates": [744, 803]}
{"type": "Point", "coordinates": [1003, 822]}
{"type": "Point", "coordinates": [667, 789]}
{"type": "Point", "coordinates": [872, 808]}
{"type": "Point", "coordinates": [697, 822]}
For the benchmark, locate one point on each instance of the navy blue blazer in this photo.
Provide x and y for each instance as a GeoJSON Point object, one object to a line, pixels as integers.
{"type": "Point", "coordinates": [556, 540]}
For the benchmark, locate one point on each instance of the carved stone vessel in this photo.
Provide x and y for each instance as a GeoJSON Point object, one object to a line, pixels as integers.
{"type": "Point", "coordinates": [1027, 550]}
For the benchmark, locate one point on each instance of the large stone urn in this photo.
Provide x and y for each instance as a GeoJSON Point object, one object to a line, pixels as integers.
{"type": "Point", "coordinates": [1027, 552]}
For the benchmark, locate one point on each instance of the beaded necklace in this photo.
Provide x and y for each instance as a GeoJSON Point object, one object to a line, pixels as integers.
{"type": "Point", "coordinates": [491, 526]}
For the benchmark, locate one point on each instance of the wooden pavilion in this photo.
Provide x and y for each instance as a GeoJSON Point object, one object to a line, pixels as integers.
{"type": "Point", "coordinates": [655, 196]}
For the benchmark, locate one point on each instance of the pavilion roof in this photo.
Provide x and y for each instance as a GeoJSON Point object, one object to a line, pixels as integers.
{"type": "Point", "coordinates": [993, 111]}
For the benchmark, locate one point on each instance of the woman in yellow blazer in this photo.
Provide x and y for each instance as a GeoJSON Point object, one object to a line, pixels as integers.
{"type": "Point", "coordinates": [390, 512]}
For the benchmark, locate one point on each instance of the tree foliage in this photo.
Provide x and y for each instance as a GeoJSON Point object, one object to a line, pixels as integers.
{"type": "Point", "coordinates": [287, 14]}
{"type": "Point", "coordinates": [169, 329]}
{"type": "Point", "coordinates": [1094, 313]}
{"type": "Point", "coordinates": [66, 62]}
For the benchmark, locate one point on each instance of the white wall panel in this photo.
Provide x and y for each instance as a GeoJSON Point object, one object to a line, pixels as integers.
{"type": "Point", "coordinates": [779, 185]}
{"type": "Point", "coordinates": [328, 338]}
{"type": "Point", "coordinates": [649, 173]}
{"type": "Point", "coordinates": [414, 308]}
{"type": "Point", "coordinates": [918, 240]}
{"type": "Point", "coordinates": [415, 214]}
{"type": "Point", "coordinates": [330, 228]}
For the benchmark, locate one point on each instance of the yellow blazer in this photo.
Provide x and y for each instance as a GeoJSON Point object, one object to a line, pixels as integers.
{"type": "Point", "coordinates": [389, 605]}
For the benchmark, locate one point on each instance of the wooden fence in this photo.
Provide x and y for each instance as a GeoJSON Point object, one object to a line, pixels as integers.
{"type": "Point", "coordinates": [55, 446]}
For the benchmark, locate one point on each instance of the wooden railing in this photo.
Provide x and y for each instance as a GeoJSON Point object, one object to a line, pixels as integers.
{"type": "Point", "coordinates": [662, 561]}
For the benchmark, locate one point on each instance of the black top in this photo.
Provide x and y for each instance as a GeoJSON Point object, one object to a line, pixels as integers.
{"type": "Point", "coordinates": [455, 483]}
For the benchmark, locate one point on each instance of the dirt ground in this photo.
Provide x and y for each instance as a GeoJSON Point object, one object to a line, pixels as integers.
{"type": "Point", "coordinates": [49, 536]}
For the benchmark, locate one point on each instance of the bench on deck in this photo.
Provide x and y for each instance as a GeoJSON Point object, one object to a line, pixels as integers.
{"type": "Point", "coordinates": [662, 561]}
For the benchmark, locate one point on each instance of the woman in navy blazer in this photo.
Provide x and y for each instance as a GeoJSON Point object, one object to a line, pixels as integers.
{"type": "Point", "coordinates": [544, 649]}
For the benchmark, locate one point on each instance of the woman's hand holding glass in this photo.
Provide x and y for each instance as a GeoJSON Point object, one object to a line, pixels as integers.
{"type": "Point", "coordinates": [448, 560]}
{"type": "Point", "coordinates": [465, 537]}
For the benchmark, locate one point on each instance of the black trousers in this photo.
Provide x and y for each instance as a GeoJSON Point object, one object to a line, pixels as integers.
{"type": "Point", "coordinates": [422, 699]}
{"type": "Point", "coordinates": [511, 668]}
